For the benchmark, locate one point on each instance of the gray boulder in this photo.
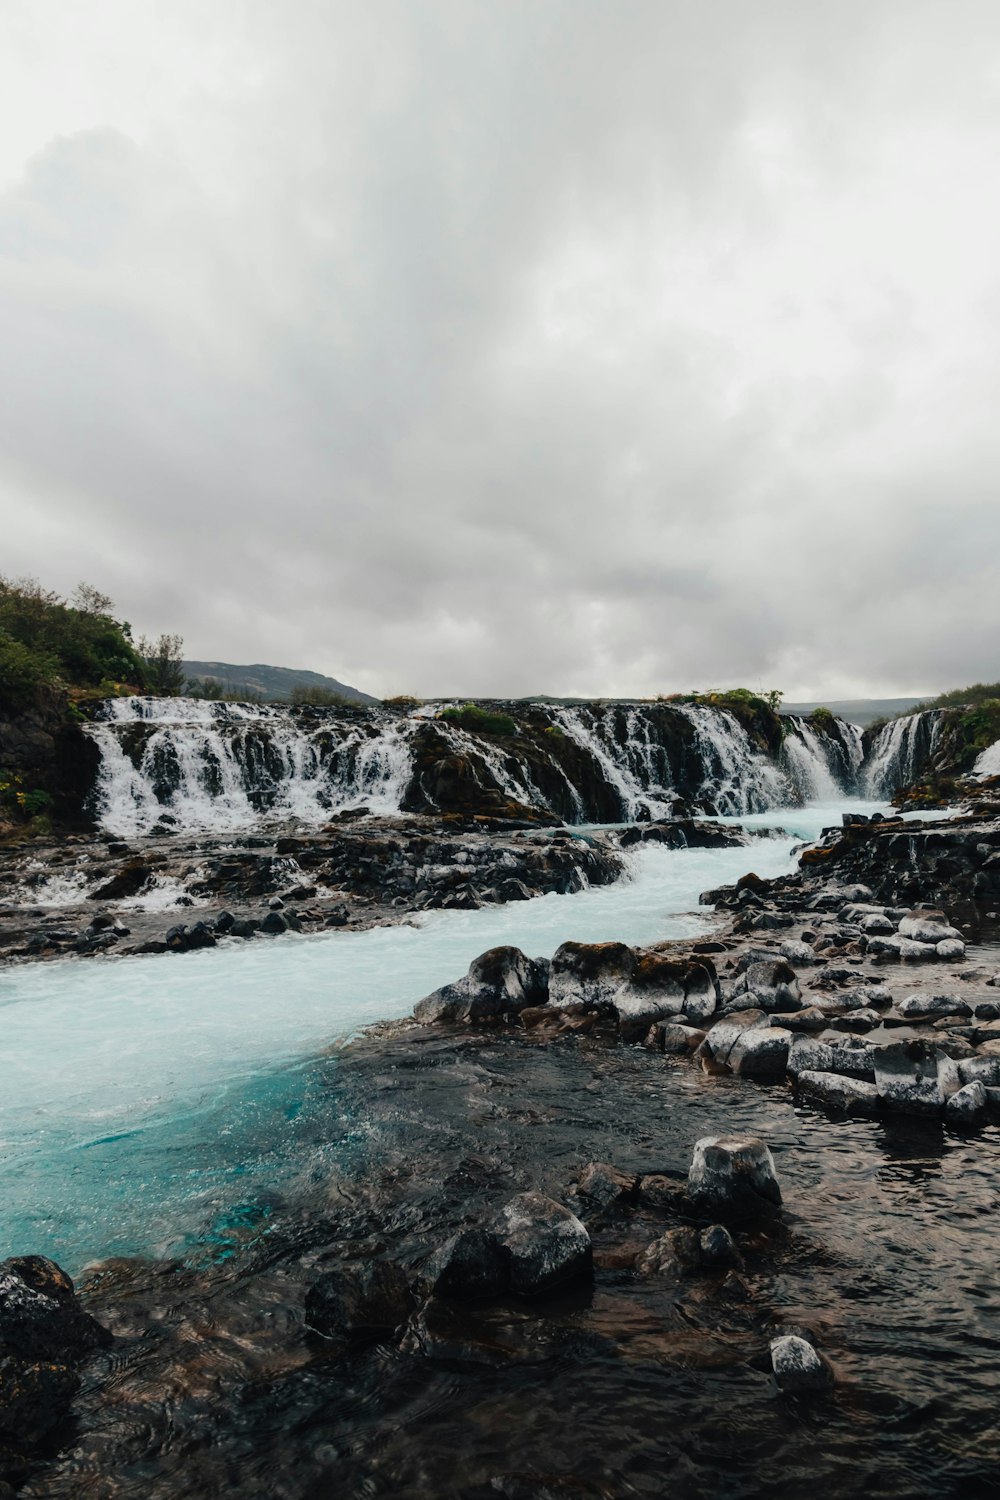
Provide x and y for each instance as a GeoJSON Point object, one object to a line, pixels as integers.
{"type": "Point", "coordinates": [914, 1077]}
{"type": "Point", "coordinates": [761, 1053]}
{"type": "Point", "coordinates": [933, 1006]}
{"type": "Point", "coordinates": [772, 985]}
{"type": "Point", "coordinates": [500, 981]}
{"type": "Point", "coordinates": [733, 1177]}
{"type": "Point", "coordinates": [968, 1107]}
{"type": "Point", "coordinates": [851, 1096]}
{"type": "Point", "coordinates": [847, 1055]}
{"type": "Point", "coordinates": [468, 1267]}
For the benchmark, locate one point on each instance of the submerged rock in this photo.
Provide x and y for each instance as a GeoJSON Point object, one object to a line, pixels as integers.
{"type": "Point", "coordinates": [359, 1300]}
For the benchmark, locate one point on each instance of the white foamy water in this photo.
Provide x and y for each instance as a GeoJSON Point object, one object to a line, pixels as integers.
{"type": "Point", "coordinates": [988, 764]}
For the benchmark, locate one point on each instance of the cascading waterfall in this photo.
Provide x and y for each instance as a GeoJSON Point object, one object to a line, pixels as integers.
{"type": "Point", "coordinates": [630, 759]}
{"type": "Point", "coordinates": [193, 764]}
{"type": "Point", "coordinates": [900, 752]}
{"type": "Point", "coordinates": [205, 765]}
{"type": "Point", "coordinates": [738, 778]}
{"type": "Point", "coordinates": [821, 767]}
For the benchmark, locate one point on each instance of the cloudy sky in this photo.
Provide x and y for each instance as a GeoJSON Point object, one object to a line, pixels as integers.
{"type": "Point", "coordinates": [499, 346]}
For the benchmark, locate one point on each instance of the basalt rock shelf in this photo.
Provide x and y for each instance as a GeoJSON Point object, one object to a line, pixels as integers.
{"type": "Point", "coordinates": [89, 896]}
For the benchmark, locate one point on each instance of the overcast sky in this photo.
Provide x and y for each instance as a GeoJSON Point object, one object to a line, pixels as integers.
{"type": "Point", "coordinates": [501, 346]}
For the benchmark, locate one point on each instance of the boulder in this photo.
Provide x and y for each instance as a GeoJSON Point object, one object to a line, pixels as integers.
{"type": "Point", "coordinates": [33, 1399]}
{"type": "Point", "coordinates": [675, 1253]}
{"type": "Point", "coordinates": [851, 1096]}
{"type": "Point", "coordinates": [876, 923]}
{"type": "Point", "coordinates": [359, 1300]}
{"type": "Point", "coordinates": [798, 1368]}
{"type": "Point", "coordinates": [772, 984]}
{"type": "Point", "coordinates": [723, 1036]}
{"type": "Point", "coordinates": [797, 952]}
{"type": "Point", "coordinates": [545, 1245]}
{"type": "Point", "coordinates": [950, 949]}
{"type": "Point", "coordinates": [968, 1107]}
{"type": "Point", "coordinates": [674, 1037]}
{"type": "Point", "coordinates": [40, 1317]}
{"type": "Point", "coordinates": [927, 927]}
{"type": "Point", "coordinates": [849, 1056]}
{"type": "Point", "coordinates": [590, 974]}
{"type": "Point", "coordinates": [984, 1070]}
{"type": "Point", "coordinates": [733, 1177]}
{"type": "Point", "coordinates": [932, 1006]}
{"type": "Point", "coordinates": [761, 1053]}
{"type": "Point", "coordinates": [914, 1077]}
{"type": "Point", "coordinates": [718, 1248]}
{"type": "Point", "coordinates": [500, 981]}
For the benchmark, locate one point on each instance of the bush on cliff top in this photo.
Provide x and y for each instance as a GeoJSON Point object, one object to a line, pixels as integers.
{"type": "Point", "coordinates": [47, 641]}
{"type": "Point", "coordinates": [479, 720]}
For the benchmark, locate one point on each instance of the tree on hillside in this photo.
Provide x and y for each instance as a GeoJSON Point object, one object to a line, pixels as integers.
{"type": "Point", "coordinates": [164, 668]}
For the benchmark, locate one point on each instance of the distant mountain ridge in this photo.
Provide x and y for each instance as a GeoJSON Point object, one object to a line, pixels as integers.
{"type": "Point", "coordinates": [273, 683]}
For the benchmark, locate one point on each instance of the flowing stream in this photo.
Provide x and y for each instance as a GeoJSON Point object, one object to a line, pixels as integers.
{"type": "Point", "coordinates": [143, 1095]}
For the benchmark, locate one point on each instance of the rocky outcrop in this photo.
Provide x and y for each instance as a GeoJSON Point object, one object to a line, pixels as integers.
{"type": "Point", "coordinates": [45, 1336]}
{"type": "Point", "coordinates": [47, 748]}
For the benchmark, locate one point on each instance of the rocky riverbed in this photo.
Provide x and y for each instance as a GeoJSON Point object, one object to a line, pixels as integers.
{"type": "Point", "coordinates": [710, 1216]}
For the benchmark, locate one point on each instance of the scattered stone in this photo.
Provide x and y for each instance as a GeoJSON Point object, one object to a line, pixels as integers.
{"type": "Point", "coordinates": [798, 1368]}
{"type": "Point", "coordinates": [606, 1185]}
{"type": "Point", "coordinates": [761, 1053]}
{"type": "Point", "coordinates": [932, 1005]}
{"type": "Point", "coordinates": [546, 1246]}
{"type": "Point", "coordinates": [718, 1248]}
{"type": "Point", "coordinates": [968, 1107]}
{"type": "Point", "coordinates": [675, 1253]}
{"type": "Point", "coordinates": [914, 1077]}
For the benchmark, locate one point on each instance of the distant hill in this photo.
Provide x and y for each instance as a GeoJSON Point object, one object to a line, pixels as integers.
{"type": "Point", "coordinates": [271, 682]}
{"type": "Point", "coordinates": [858, 710]}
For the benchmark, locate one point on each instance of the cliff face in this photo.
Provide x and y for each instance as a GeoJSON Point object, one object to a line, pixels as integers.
{"type": "Point", "coordinates": [50, 752]}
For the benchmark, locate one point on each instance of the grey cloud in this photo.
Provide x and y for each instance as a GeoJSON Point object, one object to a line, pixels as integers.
{"type": "Point", "coordinates": [552, 346]}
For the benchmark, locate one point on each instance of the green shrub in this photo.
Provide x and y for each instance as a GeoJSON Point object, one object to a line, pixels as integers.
{"type": "Point", "coordinates": [822, 718]}
{"type": "Point", "coordinates": [319, 697]}
{"type": "Point", "coordinates": [47, 641]}
{"type": "Point", "coordinates": [479, 720]}
{"type": "Point", "coordinates": [402, 701]}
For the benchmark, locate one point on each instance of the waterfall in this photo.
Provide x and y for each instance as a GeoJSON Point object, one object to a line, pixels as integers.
{"type": "Point", "coordinates": [737, 776]}
{"type": "Point", "coordinates": [988, 763]}
{"type": "Point", "coordinates": [222, 767]}
{"type": "Point", "coordinates": [631, 760]}
{"type": "Point", "coordinates": [199, 765]}
{"type": "Point", "coordinates": [901, 751]}
{"type": "Point", "coordinates": [822, 767]}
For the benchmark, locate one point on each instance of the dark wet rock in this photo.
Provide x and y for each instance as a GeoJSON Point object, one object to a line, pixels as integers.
{"type": "Point", "coordinates": [733, 1176]}
{"type": "Point", "coordinates": [676, 1253]}
{"type": "Point", "coordinates": [546, 1246]}
{"type": "Point", "coordinates": [245, 927]}
{"type": "Point", "coordinates": [850, 1096]}
{"type": "Point", "coordinates": [638, 986]}
{"type": "Point", "coordinates": [469, 1267]}
{"type": "Point", "coordinates": [798, 1368]}
{"type": "Point", "coordinates": [40, 1317]}
{"type": "Point", "coordinates": [718, 1248]}
{"type": "Point", "coordinates": [659, 1191]}
{"type": "Point", "coordinates": [674, 1037]}
{"type": "Point", "coordinates": [182, 939]}
{"type": "Point", "coordinates": [34, 1398]}
{"type": "Point", "coordinates": [129, 880]}
{"type": "Point", "coordinates": [359, 1300]}
{"type": "Point", "coordinates": [224, 923]}
{"type": "Point", "coordinates": [499, 982]}
{"type": "Point", "coordinates": [274, 923]}
{"type": "Point", "coordinates": [605, 1185]}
